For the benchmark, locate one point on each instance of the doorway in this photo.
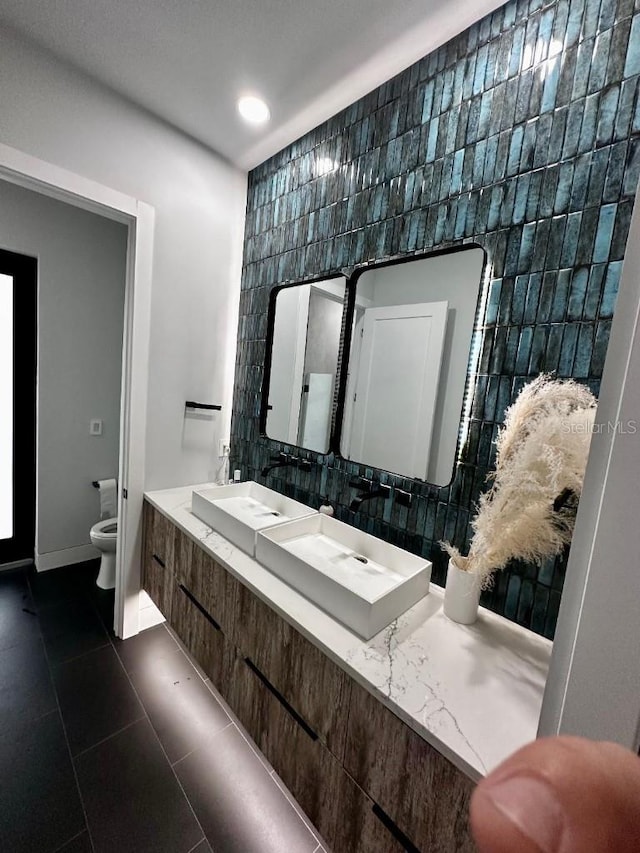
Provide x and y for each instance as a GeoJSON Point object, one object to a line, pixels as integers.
{"type": "Point", "coordinates": [18, 326]}
{"type": "Point", "coordinates": [53, 181]}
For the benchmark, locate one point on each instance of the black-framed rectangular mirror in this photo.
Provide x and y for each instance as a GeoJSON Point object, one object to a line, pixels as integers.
{"type": "Point", "coordinates": [411, 324]}
{"type": "Point", "coordinates": [301, 370]}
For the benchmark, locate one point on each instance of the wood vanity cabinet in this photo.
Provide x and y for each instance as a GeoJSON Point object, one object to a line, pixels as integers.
{"type": "Point", "coordinates": [158, 549]}
{"type": "Point", "coordinates": [427, 796]}
{"type": "Point", "coordinates": [366, 780]}
{"type": "Point", "coordinates": [316, 687]}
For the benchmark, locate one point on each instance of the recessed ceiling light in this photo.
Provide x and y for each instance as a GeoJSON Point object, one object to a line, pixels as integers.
{"type": "Point", "coordinates": [253, 109]}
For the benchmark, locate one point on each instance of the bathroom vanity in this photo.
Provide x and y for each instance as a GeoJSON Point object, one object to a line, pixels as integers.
{"type": "Point", "coordinates": [379, 741]}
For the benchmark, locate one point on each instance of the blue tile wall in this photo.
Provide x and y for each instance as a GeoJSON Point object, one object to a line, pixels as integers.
{"type": "Point", "coordinates": [522, 135]}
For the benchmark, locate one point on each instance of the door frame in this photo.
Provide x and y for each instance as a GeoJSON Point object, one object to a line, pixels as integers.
{"type": "Point", "coordinates": [58, 183]}
{"type": "Point", "coordinates": [24, 275]}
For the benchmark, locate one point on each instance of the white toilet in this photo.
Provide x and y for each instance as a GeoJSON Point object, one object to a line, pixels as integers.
{"type": "Point", "coordinates": [104, 536]}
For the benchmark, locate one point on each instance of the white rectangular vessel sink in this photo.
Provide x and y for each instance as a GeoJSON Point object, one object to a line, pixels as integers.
{"type": "Point", "coordinates": [239, 510]}
{"type": "Point", "coordinates": [360, 580]}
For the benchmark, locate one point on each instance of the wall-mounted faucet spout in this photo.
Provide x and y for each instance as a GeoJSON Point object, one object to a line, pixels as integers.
{"type": "Point", "coordinates": [368, 492]}
{"type": "Point", "coordinates": [285, 460]}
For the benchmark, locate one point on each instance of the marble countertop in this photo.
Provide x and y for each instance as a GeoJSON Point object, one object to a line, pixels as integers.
{"type": "Point", "coordinates": [473, 692]}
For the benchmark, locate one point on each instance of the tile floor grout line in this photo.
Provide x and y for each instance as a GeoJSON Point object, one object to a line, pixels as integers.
{"type": "Point", "coordinates": [242, 735]}
{"type": "Point", "coordinates": [69, 840]}
{"type": "Point", "coordinates": [208, 742]}
{"type": "Point", "coordinates": [108, 737]}
{"type": "Point", "coordinates": [66, 738]}
{"type": "Point", "coordinates": [77, 657]}
{"type": "Point", "coordinates": [155, 734]}
{"type": "Point", "coordinates": [296, 807]}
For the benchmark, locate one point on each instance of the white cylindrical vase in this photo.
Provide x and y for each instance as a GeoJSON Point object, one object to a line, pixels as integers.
{"type": "Point", "coordinates": [462, 595]}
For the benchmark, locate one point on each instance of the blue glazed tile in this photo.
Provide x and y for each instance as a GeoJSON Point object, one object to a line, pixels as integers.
{"type": "Point", "coordinates": [599, 61]}
{"type": "Point", "coordinates": [632, 62]}
{"type": "Point", "coordinates": [534, 286]}
{"type": "Point", "coordinates": [580, 185]}
{"type": "Point", "coordinates": [617, 173]}
{"type": "Point", "coordinates": [564, 187]}
{"type": "Point", "coordinates": [588, 228]}
{"type": "Point", "coordinates": [543, 136]}
{"type": "Point", "coordinates": [538, 350]}
{"type": "Point", "coordinates": [545, 301]}
{"type": "Point", "coordinates": [554, 346]}
{"type": "Point", "coordinates": [524, 350]}
{"type": "Point", "coordinates": [533, 196]}
{"type": "Point", "coordinates": [570, 245]}
{"type": "Point", "coordinates": [606, 116]}
{"type": "Point", "coordinates": [513, 595]}
{"type": "Point", "coordinates": [605, 232]}
{"type": "Point", "coordinates": [589, 122]}
{"type": "Point", "coordinates": [577, 293]}
{"type": "Point", "coordinates": [591, 18]}
{"type": "Point", "coordinates": [601, 342]}
{"type": "Point", "coordinates": [573, 128]}
{"type": "Point", "coordinates": [597, 177]}
{"type": "Point", "coordinates": [568, 351]}
{"type": "Point", "coordinates": [584, 350]}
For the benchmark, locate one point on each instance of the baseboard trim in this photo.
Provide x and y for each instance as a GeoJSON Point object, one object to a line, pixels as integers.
{"type": "Point", "coordinates": [65, 557]}
{"type": "Point", "coordinates": [17, 564]}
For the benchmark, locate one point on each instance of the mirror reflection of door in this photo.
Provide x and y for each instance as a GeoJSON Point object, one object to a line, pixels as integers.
{"type": "Point", "coordinates": [398, 350]}
{"type": "Point", "coordinates": [304, 360]}
{"type": "Point", "coordinates": [408, 363]}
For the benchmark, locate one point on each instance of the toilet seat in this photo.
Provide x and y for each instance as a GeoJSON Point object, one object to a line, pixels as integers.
{"type": "Point", "coordinates": [105, 529]}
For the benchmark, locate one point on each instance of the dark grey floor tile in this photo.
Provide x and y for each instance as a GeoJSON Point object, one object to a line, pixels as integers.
{"type": "Point", "coordinates": [40, 807]}
{"type": "Point", "coordinates": [132, 799]}
{"type": "Point", "coordinates": [65, 584]}
{"type": "Point", "coordinates": [138, 652]}
{"type": "Point", "coordinates": [80, 844]}
{"type": "Point", "coordinates": [238, 804]}
{"type": "Point", "coordinates": [26, 691]}
{"type": "Point", "coordinates": [182, 709]}
{"type": "Point", "coordinates": [70, 629]}
{"type": "Point", "coordinates": [103, 601]}
{"type": "Point", "coordinates": [96, 698]}
{"type": "Point", "coordinates": [18, 618]}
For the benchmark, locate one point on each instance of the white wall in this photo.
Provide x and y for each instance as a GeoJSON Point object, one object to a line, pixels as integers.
{"type": "Point", "coordinates": [81, 281]}
{"type": "Point", "coordinates": [57, 114]}
{"type": "Point", "coordinates": [455, 278]}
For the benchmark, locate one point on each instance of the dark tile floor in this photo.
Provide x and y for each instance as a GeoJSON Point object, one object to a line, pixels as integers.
{"type": "Point", "coordinates": [121, 747]}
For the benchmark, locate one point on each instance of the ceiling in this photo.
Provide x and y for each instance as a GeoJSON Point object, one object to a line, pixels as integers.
{"type": "Point", "coordinates": [187, 61]}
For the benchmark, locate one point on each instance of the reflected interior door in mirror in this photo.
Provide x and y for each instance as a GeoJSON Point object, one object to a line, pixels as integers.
{"type": "Point", "coordinates": [304, 363]}
{"type": "Point", "coordinates": [408, 362]}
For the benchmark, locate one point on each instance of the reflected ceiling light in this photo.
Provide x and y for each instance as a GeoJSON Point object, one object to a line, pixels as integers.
{"type": "Point", "coordinates": [253, 109]}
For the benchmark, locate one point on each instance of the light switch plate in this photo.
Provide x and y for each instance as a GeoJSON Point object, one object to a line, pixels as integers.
{"type": "Point", "coordinates": [95, 427]}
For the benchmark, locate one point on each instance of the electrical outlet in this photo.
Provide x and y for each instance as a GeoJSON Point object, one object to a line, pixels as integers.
{"type": "Point", "coordinates": [95, 427]}
{"type": "Point", "coordinates": [223, 447]}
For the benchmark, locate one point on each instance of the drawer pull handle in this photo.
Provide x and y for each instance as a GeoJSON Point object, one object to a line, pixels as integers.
{"type": "Point", "coordinates": [397, 833]}
{"type": "Point", "coordinates": [291, 711]}
{"type": "Point", "coordinates": [197, 604]}
{"type": "Point", "coordinates": [159, 561]}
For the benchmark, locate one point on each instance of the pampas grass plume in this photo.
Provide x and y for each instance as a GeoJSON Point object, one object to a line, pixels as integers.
{"type": "Point", "coordinates": [542, 451]}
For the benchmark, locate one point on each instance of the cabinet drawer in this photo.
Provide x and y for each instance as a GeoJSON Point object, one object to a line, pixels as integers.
{"type": "Point", "coordinates": [158, 583]}
{"type": "Point", "coordinates": [423, 793]}
{"type": "Point", "coordinates": [207, 580]}
{"type": "Point", "coordinates": [332, 801]}
{"type": "Point", "coordinates": [309, 681]}
{"type": "Point", "coordinates": [159, 537]}
{"type": "Point", "coordinates": [201, 635]}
